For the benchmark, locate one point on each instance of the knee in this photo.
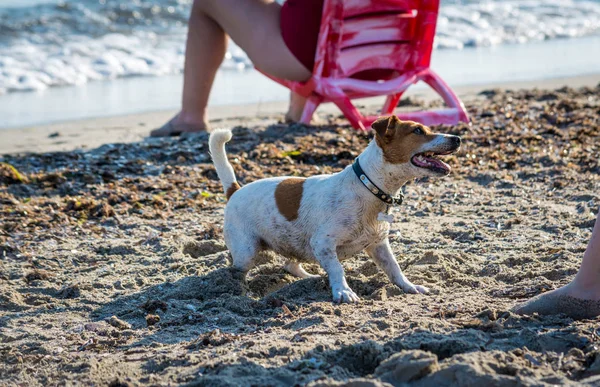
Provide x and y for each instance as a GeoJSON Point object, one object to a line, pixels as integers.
{"type": "Point", "coordinates": [200, 6]}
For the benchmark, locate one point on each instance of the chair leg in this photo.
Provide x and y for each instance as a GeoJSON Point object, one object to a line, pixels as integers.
{"type": "Point", "coordinates": [447, 94]}
{"type": "Point", "coordinates": [351, 112]}
{"type": "Point", "coordinates": [390, 103]}
{"type": "Point", "coordinates": [450, 116]}
{"type": "Point", "coordinates": [311, 105]}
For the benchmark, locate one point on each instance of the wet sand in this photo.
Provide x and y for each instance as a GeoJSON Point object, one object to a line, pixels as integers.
{"type": "Point", "coordinates": [113, 267]}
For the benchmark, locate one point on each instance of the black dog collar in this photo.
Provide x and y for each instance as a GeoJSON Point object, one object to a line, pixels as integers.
{"type": "Point", "coordinates": [375, 190]}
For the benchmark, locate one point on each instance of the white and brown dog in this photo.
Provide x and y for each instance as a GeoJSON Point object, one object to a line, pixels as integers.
{"type": "Point", "coordinates": [329, 218]}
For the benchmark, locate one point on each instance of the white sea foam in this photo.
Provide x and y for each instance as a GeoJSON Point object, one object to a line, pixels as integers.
{"type": "Point", "coordinates": [501, 22]}
{"type": "Point", "coordinates": [74, 42]}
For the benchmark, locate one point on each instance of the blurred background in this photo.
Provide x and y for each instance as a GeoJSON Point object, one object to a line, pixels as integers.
{"type": "Point", "coordinates": [64, 60]}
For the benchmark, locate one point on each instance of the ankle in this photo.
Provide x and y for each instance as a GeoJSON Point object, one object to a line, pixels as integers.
{"type": "Point", "coordinates": [293, 116]}
{"type": "Point", "coordinates": [192, 118]}
{"type": "Point", "coordinates": [584, 289]}
{"type": "Point", "coordinates": [296, 108]}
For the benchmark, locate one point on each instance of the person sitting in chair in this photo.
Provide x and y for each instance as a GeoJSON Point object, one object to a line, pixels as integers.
{"type": "Point", "coordinates": [279, 40]}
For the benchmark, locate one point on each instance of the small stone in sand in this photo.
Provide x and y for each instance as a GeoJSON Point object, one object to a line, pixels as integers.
{"type": "Point", "coordinates": [152, 306]}
{"type": "Point", "coordinates": [152, 319]}
{"type": "Point", "coordinates": [118, 323]}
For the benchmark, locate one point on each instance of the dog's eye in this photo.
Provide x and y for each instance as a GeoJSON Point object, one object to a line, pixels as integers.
{"type": "Point", "coordinates": [418, 131]}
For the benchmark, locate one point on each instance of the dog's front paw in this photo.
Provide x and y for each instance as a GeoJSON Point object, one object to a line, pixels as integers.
{"type": "Point", "coordinates": [344, 295]}
{"type": "Point", "coordinates": [414, 289]}
{"type": "Point", "coordinates": [422, 289]}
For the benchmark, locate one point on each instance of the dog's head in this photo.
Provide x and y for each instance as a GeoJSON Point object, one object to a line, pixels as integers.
{"type": "Point", "coordinates": [413, 146]}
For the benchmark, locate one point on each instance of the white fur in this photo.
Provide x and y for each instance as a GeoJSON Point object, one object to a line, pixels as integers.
{"type": "Point", "coordinates": [337, 218]}
{"type": "Point", "coordinates": [216, 145]}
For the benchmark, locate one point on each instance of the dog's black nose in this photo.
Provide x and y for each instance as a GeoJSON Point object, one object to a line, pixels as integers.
{"type": "Point", "coordinates": [456, 141]}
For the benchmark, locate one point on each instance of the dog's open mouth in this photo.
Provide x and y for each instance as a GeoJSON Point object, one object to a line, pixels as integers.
{"type": "Point", "coordinates": [429, 160]}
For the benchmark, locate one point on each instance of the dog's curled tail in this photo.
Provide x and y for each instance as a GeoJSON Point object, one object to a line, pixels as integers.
{"type": "Point", "coordinates": [216, 145]}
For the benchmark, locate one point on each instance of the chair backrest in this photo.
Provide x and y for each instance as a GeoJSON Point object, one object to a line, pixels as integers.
{"type": "Point", "coordinates": [363, 35]}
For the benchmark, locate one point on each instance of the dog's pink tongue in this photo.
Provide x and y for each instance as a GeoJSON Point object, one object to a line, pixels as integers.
{"type": "Point", "coordinates": [439, 164]}
{"type": "Point", "coordinates": [427, 162]}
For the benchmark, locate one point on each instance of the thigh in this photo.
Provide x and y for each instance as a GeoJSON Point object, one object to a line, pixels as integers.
{"type": "Point", "coordinates": [254, 26]}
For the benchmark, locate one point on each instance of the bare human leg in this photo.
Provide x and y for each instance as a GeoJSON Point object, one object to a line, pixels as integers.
{"type": "Point", "coordinates": [296, 107]}
{"type": "Point", "coordinates": [254, 26]}
{"type": "Point", "coordinates": [579, 299]}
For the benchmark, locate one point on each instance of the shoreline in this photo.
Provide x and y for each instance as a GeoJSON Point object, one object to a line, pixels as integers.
{"type": "Point", "coordinates": [93, 132]}
{"type": "Point", "coordinates": [132, 95]}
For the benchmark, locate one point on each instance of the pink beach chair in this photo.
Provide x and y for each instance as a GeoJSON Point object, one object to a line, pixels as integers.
{"type": "Point", "coordinates": [372, 48]}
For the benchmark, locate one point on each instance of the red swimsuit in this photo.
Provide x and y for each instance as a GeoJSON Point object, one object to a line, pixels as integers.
{"type": "Point", "coordinates": [300, 24]}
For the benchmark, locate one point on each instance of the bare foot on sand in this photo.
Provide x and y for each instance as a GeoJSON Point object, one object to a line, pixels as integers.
{"type": "Point", "coordinates": [178, 125]}
{"type": "Point", "coordinates": [570, 300]}
{"type": "Point", "coordinates": [581, 298]}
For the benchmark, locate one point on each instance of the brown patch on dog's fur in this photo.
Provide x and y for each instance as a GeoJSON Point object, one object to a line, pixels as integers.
{"type": "Point", "coordinates": [288, 196]}
{"type": "Point", "coordinates": [231, 190]}
{"type": "Point", "coordinates": [398, 139]}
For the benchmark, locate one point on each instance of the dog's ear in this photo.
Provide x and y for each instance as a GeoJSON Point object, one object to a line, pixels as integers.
{"type": "Point", "coordinates": [385, 126]}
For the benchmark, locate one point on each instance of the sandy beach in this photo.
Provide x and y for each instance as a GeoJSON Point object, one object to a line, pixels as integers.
{"type": "Point", "coordinates": [113, 269]}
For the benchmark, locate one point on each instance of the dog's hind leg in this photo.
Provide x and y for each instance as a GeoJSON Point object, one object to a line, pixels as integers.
{"type": "Point", "coordinates": [294, 268]}
{"type": "Point", "coordinates": [244, 248]}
